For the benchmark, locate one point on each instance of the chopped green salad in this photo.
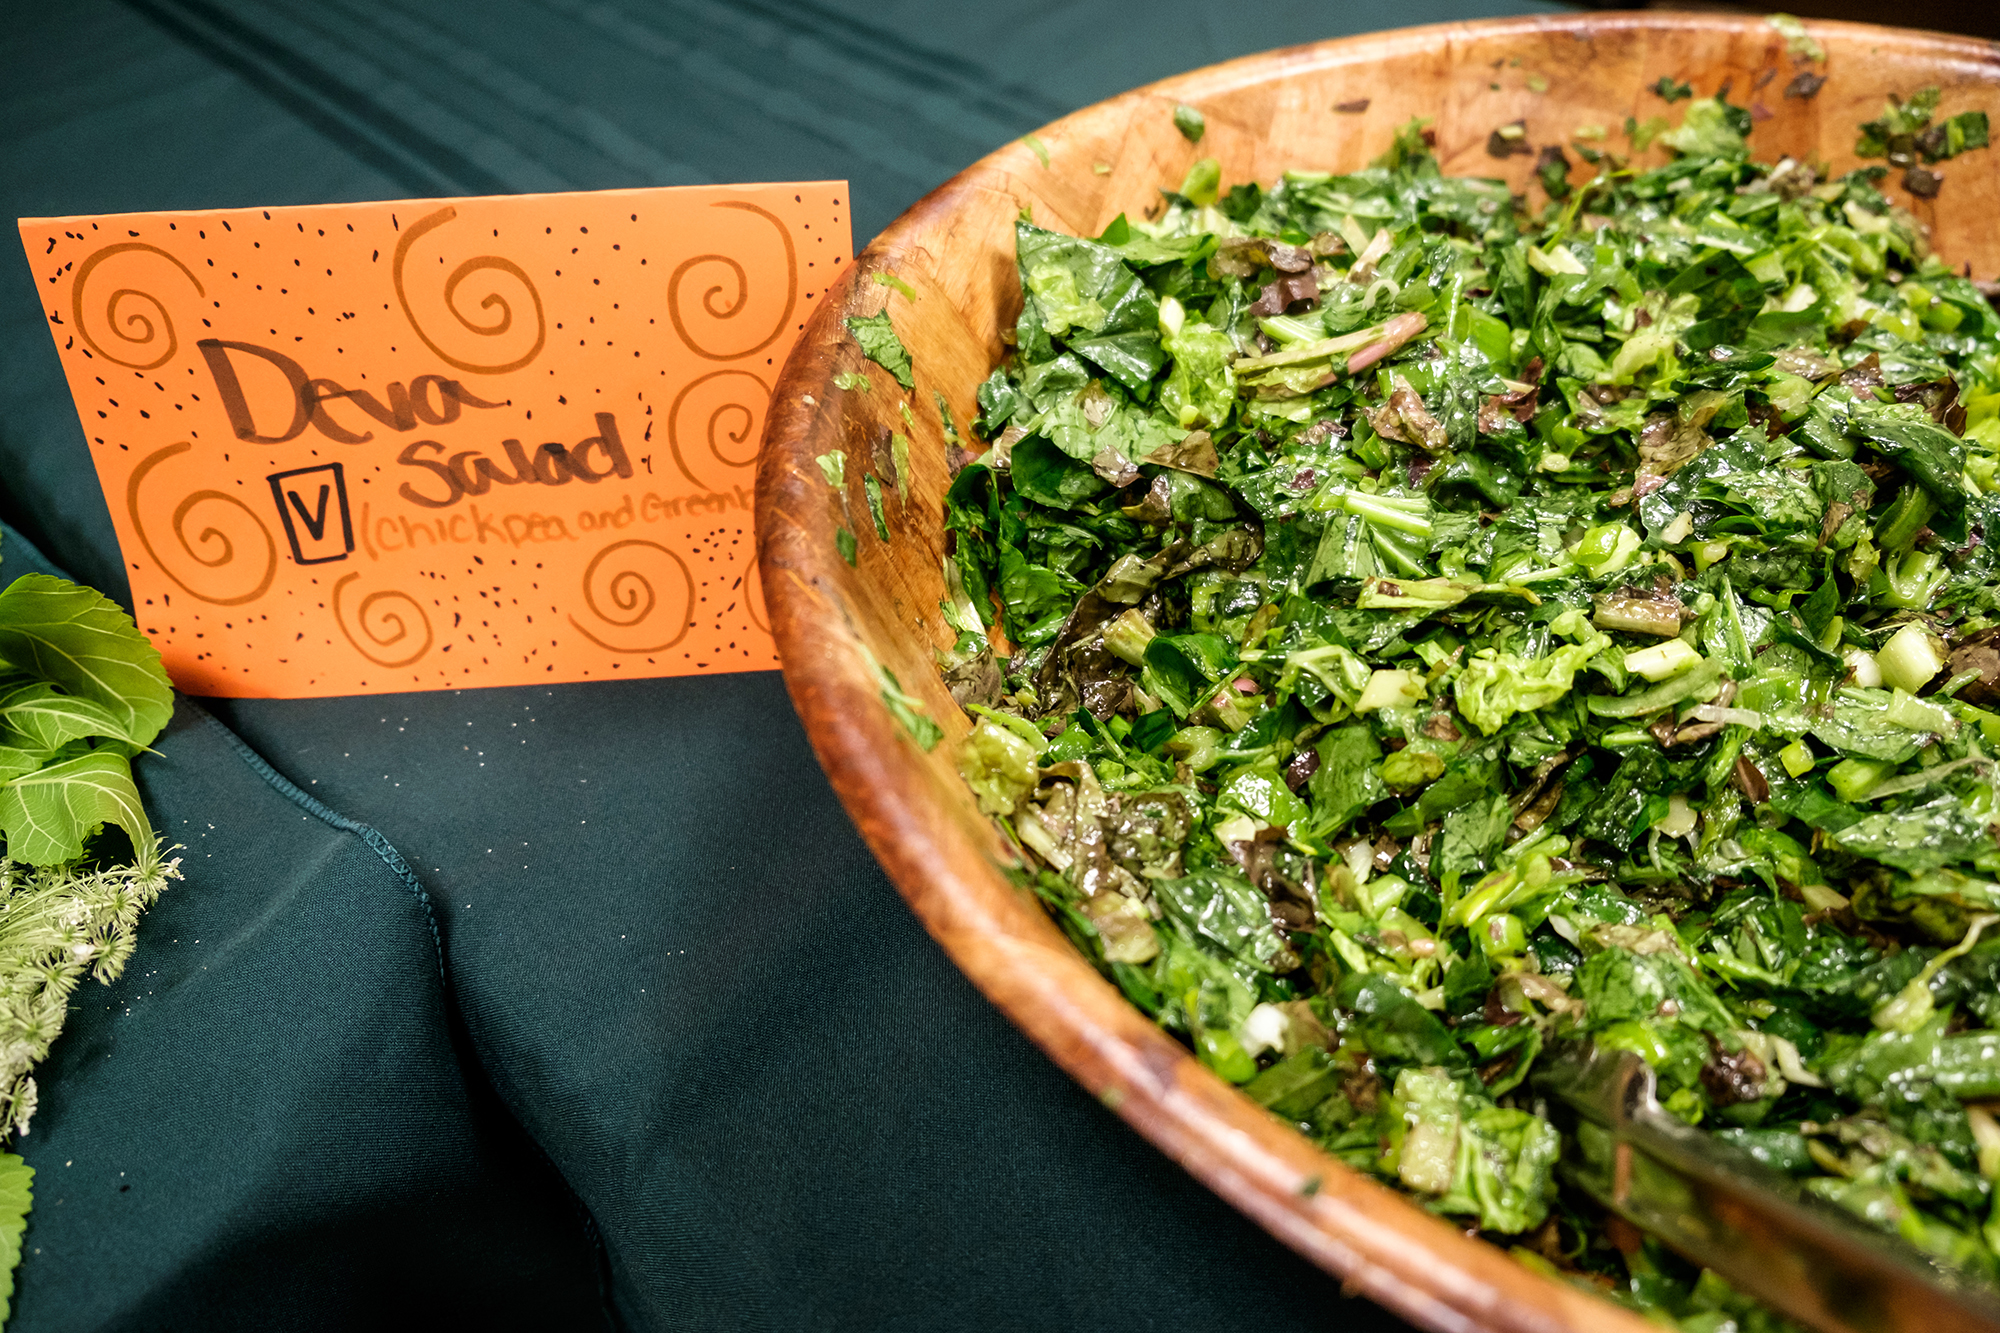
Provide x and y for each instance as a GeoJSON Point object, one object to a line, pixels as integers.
{"type": "Point", "coordinates": [1405, 627]}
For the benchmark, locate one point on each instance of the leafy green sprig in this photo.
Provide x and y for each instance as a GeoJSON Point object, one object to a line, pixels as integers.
{"type": "Point", "coordinates": [82, 692]}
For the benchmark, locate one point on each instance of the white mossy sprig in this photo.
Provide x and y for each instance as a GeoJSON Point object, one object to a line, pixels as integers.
{"type": "Point", "coordinates": [58, 925]}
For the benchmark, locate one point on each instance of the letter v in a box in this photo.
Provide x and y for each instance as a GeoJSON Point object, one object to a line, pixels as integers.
{"type": "Point", "coordinates": [312, 501]}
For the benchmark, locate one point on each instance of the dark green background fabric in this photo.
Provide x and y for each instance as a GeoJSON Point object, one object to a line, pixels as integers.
{"type": "Point", "coordinates": [690, 1063]}
{"type": "Point", "coordinates": [272, 1120]}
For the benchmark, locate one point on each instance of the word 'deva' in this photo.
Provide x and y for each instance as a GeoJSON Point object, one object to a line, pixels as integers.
{"type": "Point", "coordinates": [459, 474]}
{"type": "Point", "coordinates": [407, 405]}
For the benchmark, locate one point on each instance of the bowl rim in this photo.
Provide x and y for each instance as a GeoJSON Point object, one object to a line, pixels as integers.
{"type": "Point", "coordinates": [1380, 1242]}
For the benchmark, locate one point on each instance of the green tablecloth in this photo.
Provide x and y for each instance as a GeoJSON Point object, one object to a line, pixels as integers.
{"type": "Point", "coordinates": [577, 1006]}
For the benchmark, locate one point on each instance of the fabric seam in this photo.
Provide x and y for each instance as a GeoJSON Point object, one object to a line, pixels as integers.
{"type": "Point", "coordinates": [383, 848]}
{"type": "Point", "coordinates": [392, 858]}
{"type": "Point", "coordinates": [305, 800]}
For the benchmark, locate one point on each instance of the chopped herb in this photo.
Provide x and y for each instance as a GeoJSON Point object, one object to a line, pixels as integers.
{"type": "Point", "coordinates": [1190, 122]}
{"type": "Point", "coordinates": [1905, 135]}
{"type": "Point", "coordinates": [899, 455]}
{"type": "Point", "coordinates": [1711, 128]}
{"type": "Point", "coordinates": [1805, 85]}
{"type": "Point", "coordinates": [945, 421]}
{"type": "Point", "coordinates": [843, 542]}
{"type": "Point", "coordinates": [880, 344]}
{"type": "Point", "coordinates": [1671, 90]}
{"type": "Point", "coordinates": [909, 713]}
{"type": "Point", "coordinates": [1798, 42]}
{"type": "Point", "coordinates": [833, 466]}
{"type": "Point", "coordinates": [1552, 167]}
{"type": "Point", "coordinates": [1203, 183]}
{"type": "Point", "coordinates": [1962, 132]}
{"type": "Point", "coordinates": [886, 279]}
{"type": "Point", "coordinates": [851, 380]}
{"type": "Point", "coordinates": [1642, 133]}
{"type": "Point", "coordinates": [871, 485]}
{"type": "Point", "coordinates": [1037, 147]}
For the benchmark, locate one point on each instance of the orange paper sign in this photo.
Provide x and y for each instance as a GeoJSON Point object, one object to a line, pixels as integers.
{"type": "Point", "coordinates": [424, 445]}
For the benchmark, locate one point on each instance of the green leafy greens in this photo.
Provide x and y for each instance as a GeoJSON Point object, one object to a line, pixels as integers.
{"type": "Point", "coordinates": [1402, 629]}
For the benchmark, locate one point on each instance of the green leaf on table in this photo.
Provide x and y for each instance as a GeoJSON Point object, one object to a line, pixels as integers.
{"type": "Point", "coordinates": [833, 467]}
{"type": "Point", "coordinates": [880, 344]}
{"type": "Point", "coordinates": [14, 762]}
{"type": "Point", "coordinates": [17, 1197]}
{"type": "Point", "coordinates": [1901, 119]}
{"type": "Point", "coordinates": [47, 815]}
{"type": "Point", "coordinates": [40, 717]}
{"type": "Point", "coordinates": [1190, 122]}
{"type": "Point", "coordinates": [81, 640]}
{"type": "Point", "coordinates": [1964, 131]}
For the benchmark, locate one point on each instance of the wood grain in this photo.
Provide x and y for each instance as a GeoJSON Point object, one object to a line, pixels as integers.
{"type": "Point", "coordinates": [839, 627]}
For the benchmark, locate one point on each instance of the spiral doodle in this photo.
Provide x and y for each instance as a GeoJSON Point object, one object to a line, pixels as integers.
{"type": "Point", "coordinates": [218, 550]}
{"type": "Point", "coordinates": [730, 435]}
{"type": "Point", "coordinates": [498, 325]}
{"type": "Point", "coordinates": [634, 601]}
{"type": "Point", "coordinates": [383, 627]}
{"type": "Point", "coordinates": [140, 322]}
{"type": "Point", "coordinates": [720, 307]}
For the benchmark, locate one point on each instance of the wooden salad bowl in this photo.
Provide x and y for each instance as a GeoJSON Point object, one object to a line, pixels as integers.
{"type": "Point", "coordinates": [841, 627]}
